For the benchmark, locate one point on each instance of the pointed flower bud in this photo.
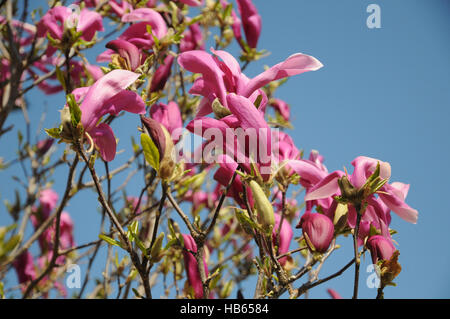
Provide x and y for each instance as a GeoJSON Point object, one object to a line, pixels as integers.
{"type": "Point", "coordinates": [266, 216]}
{"type": "Point", "coordinates": [164, 160]}
{"type": "Point", "coordinates": [380, 248]}
{"type": "Point", "coordinates": [318, 231]}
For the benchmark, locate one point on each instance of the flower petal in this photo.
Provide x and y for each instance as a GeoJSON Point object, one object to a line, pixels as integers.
{"type": "Point", "coordinates": [295, 64]}
{"type": "Point", "coordinates": [100, 92]}
{"type": "Point", "coordinates": [326, 187]}
{"type": "Point", "coordinates": [104, 141]}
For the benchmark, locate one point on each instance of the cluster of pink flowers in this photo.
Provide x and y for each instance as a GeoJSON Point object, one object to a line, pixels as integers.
{"type": "Point", "coordinates": [24, 264]}
{"type": "Point", "coordinates": [228, 100]}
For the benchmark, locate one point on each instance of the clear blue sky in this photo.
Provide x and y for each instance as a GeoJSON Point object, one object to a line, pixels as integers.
{"type": "Point", "coordinates": [382, 93]}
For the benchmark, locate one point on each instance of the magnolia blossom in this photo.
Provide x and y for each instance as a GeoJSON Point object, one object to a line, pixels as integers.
{"type": "Point", "coordinates": [380, 248]}
{"type": "Point", "coordinates": [244, 135]}
{"type": "Point", "coordinates": [334, 294]}
{"type": "Point", "coordinates": [168, 115]}
{"type": "Point", "coordinates": [108, 95]}
{"type": "Point", "coordinates": [285, 236]}
{"type": "Point", "coordinates": [127, 51]}
{"type": "Point", "coordinates": [162, 74]}
{"type": "Point", "coordinates": [192, 3]}
{"type": "Point", "coordinates": [251, 22]}
{"type": "Point", "coordinates": [24, 267]}
{"type": "Point", "coordinates": [364, 167]}
{"type": "Point", "coordinates": [227, 167]}
{"type": "Point", "coordinates": [318, 230]}
{"type": "Point", "coordinates": [220, 77]}
{"type": "Point", "coordinates": [282, 107]}
{"type": "Point", "coordinates": [59, 18]}
{"type": "Point", "coordinates": [191, 266]}
{"type": "Point", "coordinates": [192, 38]}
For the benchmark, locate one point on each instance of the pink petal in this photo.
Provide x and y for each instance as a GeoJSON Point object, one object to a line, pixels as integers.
{"type": "Point", "coordinates": [398, 206]}
{"type": "Point", "coordinates": [150, 16]}
{"type": "Point", "coordinates": [307, 171]}
{"type": "Point", "coordinates": [198, 61]}
{"type": "Point", "coordinates": [326, 187]}
{"type": "Point", "coordinates": [126, 50]}
{"type": "Point", "coordinates": [295, 64]}
{"type": "Point", "coordinates": [104, 141]}
{"type": "Point", "coordinates": [101, 92]}
{"type": "Point", "coordinates": [89, 22]}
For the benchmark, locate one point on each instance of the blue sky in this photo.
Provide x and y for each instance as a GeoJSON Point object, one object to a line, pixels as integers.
{"type": "Point", "coordinates": [382, 93]}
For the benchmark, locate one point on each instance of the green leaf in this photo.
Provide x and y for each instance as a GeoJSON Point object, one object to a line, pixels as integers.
{"type": "Point", "coordinates": [151, 152]}
{"type": "Point", "coordinates": [60, 77]}
{"type": "Point", "coordinates": [227, 11]}
{"type": "Point", "coordinates": [258, 101]}
{"type": "Point", "coordinates": [109, 240]}
{"type": "Point", "coordinates": [53, 132]}
{"type": "Point", "coordinates": [12, 242]}
{"type": "Point", "coordinates": [75, 112]}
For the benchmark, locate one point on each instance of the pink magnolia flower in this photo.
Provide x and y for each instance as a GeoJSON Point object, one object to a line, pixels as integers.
{"type": "Point", "coordinates": [168, 115]}
{"type": "Point", "coordinates": [252, 124]}
{"type": "Point", "coordinates": [48, 199]}
{"type": "Point", "coordinates": [251, 21]}
{"type": "Point", "coordinates": [223, 175]}
{"type": "Point", "coordinates": [318, 230]}
{"type": "Point", "coordinates": [201, 199]}
{"type": "Point", "coordinates": [192, 38]}
{"type": "Point", "coordinates": [128, 51]}
{"type": "Point", "coordinates": [24, 267]}
{"type": "Point", "coordinates": [191, 266]}
{"type": "Point", "coordinates": [192, 3]}
{"type": "Point", "coordinates": [286, 235]}
{"type": "Point", "coordinates": [220, 77]}
{"type": "Point", "coordinates": [364, 167]}
{"type": "Point", "coordinates": [162, 74]}
{"type": "Point", "coordinates": [380, 248]}
{"type": "Point", "coordinates": [55, 21]}
{"type": "Point", "coordinates": [43, 146]}
{"type": "Point", "coordinates": [120, 7]}
{"type": "Point", "coordinates": [282, 107]}
{"type": "Point", "coordinates": [334, 294]}
{"type": "Point", "coordinates": [108, 95]}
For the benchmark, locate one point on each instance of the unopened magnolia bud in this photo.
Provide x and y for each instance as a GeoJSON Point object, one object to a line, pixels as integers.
{"type": "Point", "coordinates": [155, 253]}
{"type": "Point", "coordinates": [163, 141]}
{"type": "Point", "coordinates": [66, 121]}
{"type": "Point", "coordinates": [266, 216]}
{"type": "Point", "coordinates": [348, 191]}
{"type": "Point", "coordinates": [318, 231]}
{"type": "Point", "coordinates": [380, 248]}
